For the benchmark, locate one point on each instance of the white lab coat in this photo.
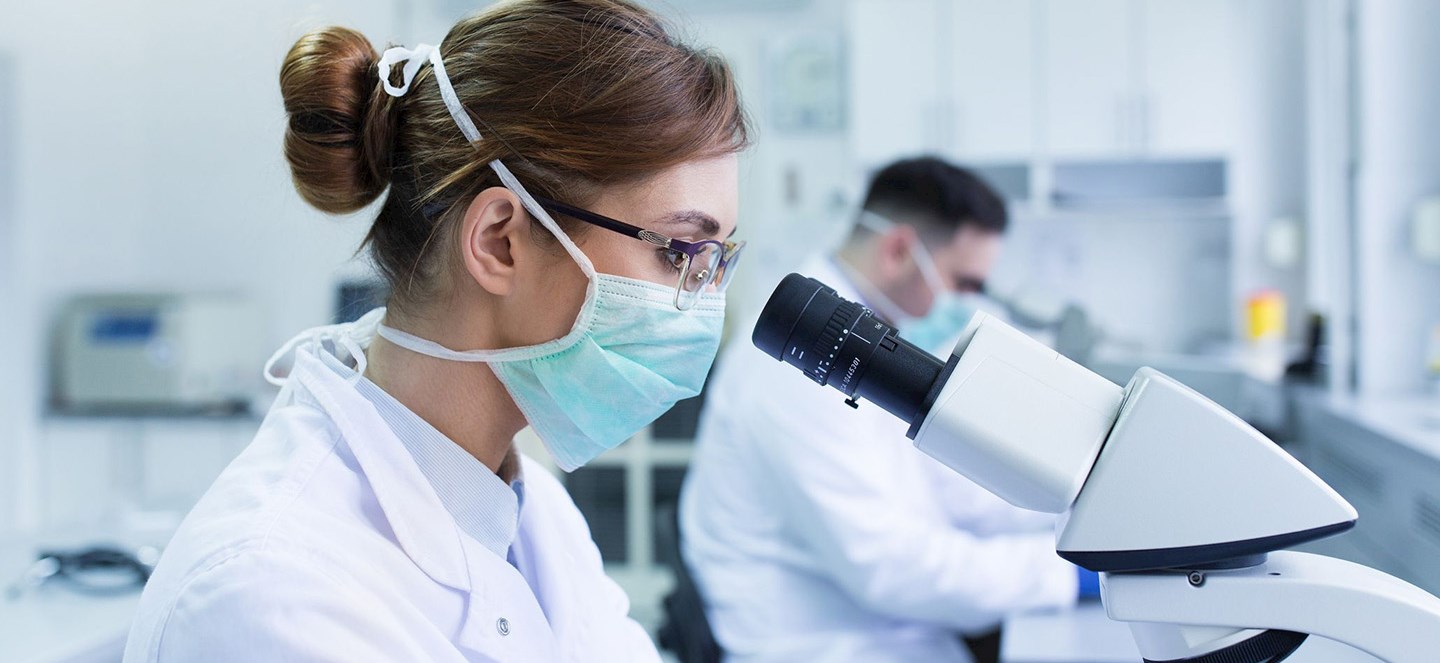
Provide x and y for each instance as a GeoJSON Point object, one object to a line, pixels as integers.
{"type": "Point", "coordinates": [819, 533]}
{"type": "Point", "coordinates": [324, 542]}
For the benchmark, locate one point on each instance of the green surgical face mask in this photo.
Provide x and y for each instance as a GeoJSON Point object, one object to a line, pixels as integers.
{"type": "Point", "coordinates": [630, 355]}
{"type": "Point", "coordinates": [949, 311]}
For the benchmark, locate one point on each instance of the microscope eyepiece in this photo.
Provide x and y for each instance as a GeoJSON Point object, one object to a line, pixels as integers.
{"type": "Point", "coordinates": [842, 344]}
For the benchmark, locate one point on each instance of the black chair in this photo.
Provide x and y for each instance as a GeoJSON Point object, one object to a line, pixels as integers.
{"type": "Point", "coordinates": [685, 631]}
{"type": "Point", "coordinates": [984, 648]}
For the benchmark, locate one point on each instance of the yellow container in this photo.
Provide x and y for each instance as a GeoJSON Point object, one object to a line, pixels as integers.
{"type": "Point", "coordinates": [1265, 315]}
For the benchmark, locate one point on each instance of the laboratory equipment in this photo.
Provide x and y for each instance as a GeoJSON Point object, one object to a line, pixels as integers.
{"type": "Point", "coordinates": [127, 353]}
{"type": "Point", "coordinates": [1432, 365]}
{"type": "Point", "coordinates": [1425, 230]}
{"type": "Point", "coordinates": [1265, 334]}
{"type": "Point", "coordinates": [1183, 507]}
{"type": "Point", "coordinates": [94, 570]}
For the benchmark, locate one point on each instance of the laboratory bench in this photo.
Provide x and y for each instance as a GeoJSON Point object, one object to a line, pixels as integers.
{"type": "Point", "coordinates": [1086, 635]}
{"type": "Point", "coordinates": [53, 622]}
{"type": "Point", "coordinates": [1082, 635]}
{"type": "Point", "coordinates": [1383, 456]}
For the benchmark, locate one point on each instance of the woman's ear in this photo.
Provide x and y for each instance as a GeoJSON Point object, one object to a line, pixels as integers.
{"type": "Point", "coordinates": [491, 239]}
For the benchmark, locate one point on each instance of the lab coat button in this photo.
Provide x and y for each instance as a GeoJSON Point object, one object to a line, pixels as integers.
{"type": "Point", "coordinates": [503, 626]}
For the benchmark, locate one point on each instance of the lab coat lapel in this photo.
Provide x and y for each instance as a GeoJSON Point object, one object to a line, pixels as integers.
{"type": "Point", "coordinates": [555, 582]}
{"type": "Point", "coordinates": [422, 526]}
{"type": "Point", "coordinates": [503, 622]}
{"type": "Point", "coordinates": [503, 619]}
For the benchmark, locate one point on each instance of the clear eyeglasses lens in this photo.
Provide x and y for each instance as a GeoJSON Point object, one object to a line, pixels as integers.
{"type": "Point", "coordinates": [697, 275]}
{"type": "Point", "coordinates": [727, 272]}
{"type": "Point", "coordinates": [709, 268]}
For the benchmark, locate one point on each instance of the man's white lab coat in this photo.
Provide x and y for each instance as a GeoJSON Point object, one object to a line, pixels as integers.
{"type": "Point", "coordinates": [323, 541]}
{"type": "Point", "coordinates": [819, 533]}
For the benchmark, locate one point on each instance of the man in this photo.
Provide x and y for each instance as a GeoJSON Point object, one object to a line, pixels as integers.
{"type": "Point", "coordinates": [817, 532]}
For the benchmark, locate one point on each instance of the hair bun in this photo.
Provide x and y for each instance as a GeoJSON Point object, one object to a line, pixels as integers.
{"type": "Point", "coordinates": [338, 138]}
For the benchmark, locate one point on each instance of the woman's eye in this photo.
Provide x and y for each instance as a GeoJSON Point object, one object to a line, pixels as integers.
{"type": "Point", "coordinates": [671, 258]}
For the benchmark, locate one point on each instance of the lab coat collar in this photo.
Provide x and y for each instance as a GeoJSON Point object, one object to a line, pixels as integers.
{"type": "Point", "coordinates": [827, 270]}
{"type": "Point", "coordinates": [410, 504]}
{"type": "Point", "coordinates": [482, 504]}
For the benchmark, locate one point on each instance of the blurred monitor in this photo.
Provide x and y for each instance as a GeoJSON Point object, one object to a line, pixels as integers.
{"type": "Point", "coordinates": [358, 297]}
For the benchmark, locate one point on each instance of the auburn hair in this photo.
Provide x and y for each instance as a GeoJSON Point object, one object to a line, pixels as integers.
{"type": "Point", "coordinates": [574, 95]}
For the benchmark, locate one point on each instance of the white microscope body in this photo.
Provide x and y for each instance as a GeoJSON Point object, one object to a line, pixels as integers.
{"type": "Point", "coordinates": [1184, 509]}
{"type": "Point", "coordinates": [1180, 504]}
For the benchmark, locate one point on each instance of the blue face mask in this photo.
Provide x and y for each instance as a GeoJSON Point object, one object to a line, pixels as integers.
{"type": "Point", "coordinates": [941, 326]}
{"type": "Point", "coordinates": [949, 311]}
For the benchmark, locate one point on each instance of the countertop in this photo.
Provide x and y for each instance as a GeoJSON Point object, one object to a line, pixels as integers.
{"type": "Point", "coordinates": [54, 623]}
{"type": "Point", "coordinates": [1411, 421]}
{"type": "Point", "coordinates": [1082, 635]}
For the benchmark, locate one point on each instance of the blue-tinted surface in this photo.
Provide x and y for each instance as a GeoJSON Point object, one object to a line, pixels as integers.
{"type": "Point", "coordinates": [124, 327]}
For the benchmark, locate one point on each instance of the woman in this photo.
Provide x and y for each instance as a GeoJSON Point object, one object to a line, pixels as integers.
{"type": "Point", "coordinates": [382, 512]}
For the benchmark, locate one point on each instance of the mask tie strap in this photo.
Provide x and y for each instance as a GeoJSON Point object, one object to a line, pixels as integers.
{"type": "Point", "coordinates": [413, 60]}
{"type": "Point", "coordinates": [881, 225]}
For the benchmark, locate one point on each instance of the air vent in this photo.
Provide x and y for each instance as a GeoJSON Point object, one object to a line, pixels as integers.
{"type": "Point", "coordinates": [1427, 517]}
{"type": "Point", "coordinates": [1348, 473]}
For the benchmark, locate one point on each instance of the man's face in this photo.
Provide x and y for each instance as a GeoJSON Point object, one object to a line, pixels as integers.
{"type": "Point", "coordinates": [964, 263]}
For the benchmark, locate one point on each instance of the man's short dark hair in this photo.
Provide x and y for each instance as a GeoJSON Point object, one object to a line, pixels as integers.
{"type": "Point", "coordinates": [929, 189]}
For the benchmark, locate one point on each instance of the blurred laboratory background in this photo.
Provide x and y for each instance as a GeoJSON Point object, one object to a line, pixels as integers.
{"type": "Point", "coordinates": [1245, 195]}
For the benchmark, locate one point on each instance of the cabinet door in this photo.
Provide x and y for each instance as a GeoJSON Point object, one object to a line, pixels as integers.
{"type": "Point", "coordinates": [991, 49]}
{"type": "Point", "coordinates": [1089, 70]}
{"type": "Point", "coordinates": [894, 62]}
{"type": "Point", "coordinates": [12, 363]}
{"type": "Point", "coordinates": [1425, 519]}
{"type": "Point", "coordinates": [1191, 84]}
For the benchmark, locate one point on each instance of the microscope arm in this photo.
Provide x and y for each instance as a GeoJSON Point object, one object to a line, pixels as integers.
{"type": "Point", "coordinates": [1177, 616]}
{"type": "Point", "coordinates": [1156, 476]}
{"type": "Point", "coordinates": [1184, 508]}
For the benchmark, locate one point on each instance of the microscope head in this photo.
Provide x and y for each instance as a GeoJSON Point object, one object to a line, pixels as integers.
{"type": "Point", "coordinates": [1150, 476]}
{"type": "Point", "coordinates": [1183, 483]}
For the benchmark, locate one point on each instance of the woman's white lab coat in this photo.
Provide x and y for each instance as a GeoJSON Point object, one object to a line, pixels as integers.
{"type": "Point", "coordinates": [324, 542]}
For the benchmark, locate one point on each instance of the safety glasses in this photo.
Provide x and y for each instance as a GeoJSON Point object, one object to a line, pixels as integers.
{"type": "Point", "coordinates": [701, 264]}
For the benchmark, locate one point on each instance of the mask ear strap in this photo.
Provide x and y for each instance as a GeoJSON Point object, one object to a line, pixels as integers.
{"type": "Point", "coordinates": [881, 225]}
{"type": "Point", "coordinates": [928, 269]}
{"type": "Point", "coordinates": [544, 218]}
{"type": "Point", "coordinates": [426, 53]}
{"type": "Point", "coordinates": [467, 127]}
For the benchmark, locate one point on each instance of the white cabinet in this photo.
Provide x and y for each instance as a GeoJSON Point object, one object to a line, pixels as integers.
{"type": "Point", "coordinates": [1088, 82]}
{"type": "Point", "coordinates": [131, 472]}
{"type": "Point", "coordinates": [990, 54]}
{"type": "Point", "coordinates": [1013, 79]}
{"type": "Point", "coordinates": [1189, 89]}
{"type": "Point", "coordinates": [1140, 77]}
{"type": "Point", "coordinates": [894, 64]}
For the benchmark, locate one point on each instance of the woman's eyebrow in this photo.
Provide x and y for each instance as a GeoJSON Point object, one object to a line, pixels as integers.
{"type": "Point", "coordinates": [704, 223]}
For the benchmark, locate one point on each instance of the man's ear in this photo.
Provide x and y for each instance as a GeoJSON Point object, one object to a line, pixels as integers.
{"type": "Point", "coordinates": [893, 248]}
{"type": "Point", "coordinates": [491, 240]}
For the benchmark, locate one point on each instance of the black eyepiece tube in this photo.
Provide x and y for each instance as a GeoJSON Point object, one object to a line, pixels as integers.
{"type": "Point", "coordinates": [840, 343]}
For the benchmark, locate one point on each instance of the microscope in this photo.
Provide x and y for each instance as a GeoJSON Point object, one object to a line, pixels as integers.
{"type": "Point", "coordinates": [1182, 507]}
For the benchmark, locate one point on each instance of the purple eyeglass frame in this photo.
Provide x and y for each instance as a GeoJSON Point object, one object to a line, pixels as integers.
{"type": "Point", "coordinates": [728, 249]}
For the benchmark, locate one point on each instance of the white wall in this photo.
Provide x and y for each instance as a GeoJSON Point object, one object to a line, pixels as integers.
{"type": "Point", "coordinates": [790, 183]}
{"type": "Point", "coordinates": [1399, 164]}
{"type": "Point", "coordinates": [148, 158]}
{"type": "Point", "coordinates": [1268, 176]}
{"type": "Point", "coordinates": [9, 357]}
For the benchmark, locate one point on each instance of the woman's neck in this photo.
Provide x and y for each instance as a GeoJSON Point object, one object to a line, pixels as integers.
{"type": "Point", "coordinates": [462, 400]}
